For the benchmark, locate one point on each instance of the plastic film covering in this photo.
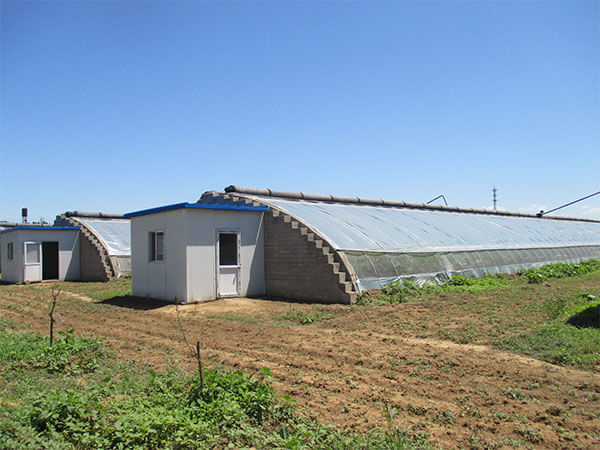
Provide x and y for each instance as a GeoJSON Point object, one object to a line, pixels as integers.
{"type": "Point", "coordinates": [388, 244]}
{"type": "Point", "coordinates": [115, 234]}
{"type": "Point", "coordinates": [375, 270]}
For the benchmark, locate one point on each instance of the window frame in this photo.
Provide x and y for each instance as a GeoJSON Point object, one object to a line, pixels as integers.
{"type": "Point", "coordinates": [238, 248]}
{"type": "Point", "coordinates": [39, 246]}
{"type": "Point", "coordinates": [10, 251]}
{"type": "Point", "coordinates": [153, 247]}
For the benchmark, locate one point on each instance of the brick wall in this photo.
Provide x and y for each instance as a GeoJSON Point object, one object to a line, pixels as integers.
{"type": "Point", "coordinates": [296, 268]}
{"type": "Point", "coordinates": [91, 267]}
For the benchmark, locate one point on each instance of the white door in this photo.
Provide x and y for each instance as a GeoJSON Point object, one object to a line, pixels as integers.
{"type": "Point", "coordinates": [228, 264]}
{"type": "Point", "coordinates": [33, 262]}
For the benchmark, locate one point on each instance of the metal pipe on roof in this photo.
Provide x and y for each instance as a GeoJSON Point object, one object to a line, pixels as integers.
{"type": "Point", "coordinates": [386, 203]}
{"type": "Point", "coordinates": [98, 215]}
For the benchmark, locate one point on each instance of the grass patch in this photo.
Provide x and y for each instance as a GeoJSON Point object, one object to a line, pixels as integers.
{"type": "Point", "coordinates": [98, 290]}
{"type": "Point", "coordinates": [554, 323]}
{"type": "Point", "coordinates": [572, 337]}
{"type": "Point", "coordinates": [302, 317]}
{"type": "Point", "coordinates": [69, 354]}
{"type": "Point", "coordinates": [230, 316]}
{"type": "Point", "coordinates": [125, 405]}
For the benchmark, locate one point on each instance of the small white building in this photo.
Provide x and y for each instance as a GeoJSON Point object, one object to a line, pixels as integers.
{"type": "Point", "coordinates": [192, 251]}
{"type": "Point", "coordinates": [38, 253]}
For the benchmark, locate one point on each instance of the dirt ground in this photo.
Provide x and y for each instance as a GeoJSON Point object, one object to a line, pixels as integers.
{"type": "Point", "coordinates": [345, 365]}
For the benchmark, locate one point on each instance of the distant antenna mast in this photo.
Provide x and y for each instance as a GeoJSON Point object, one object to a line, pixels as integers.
{"type": "Point", "coordinates": [494, 196]}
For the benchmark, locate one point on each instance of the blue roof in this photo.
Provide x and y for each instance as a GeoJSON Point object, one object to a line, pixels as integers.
{"type": "Point", "coordinates": [37, 228]}
{"type": "Point", "coordinates": [185, 205]}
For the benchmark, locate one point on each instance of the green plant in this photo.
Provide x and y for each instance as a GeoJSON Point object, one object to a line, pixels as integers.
{"type": "Point", "coordinates": [303, 317]}
{"type": "Point", "coordinates": [69, 354]}
{"type": "Point", "coordinates": [445, 417]}
{"type": "Point", "coordinates": [123, 405]}
{"type": "Point", "coordinates": [530, 434]}
{"type": "Point", "coordinates": [460, 280]}
{"type": "Point", "coordinates": [515, 394]}
{"type": "Point", "coordinates": [404, 291]}
{"type": "Point", "coordinates": [560, 270]}
{"type": "Point", "coordinates": [394, 437]}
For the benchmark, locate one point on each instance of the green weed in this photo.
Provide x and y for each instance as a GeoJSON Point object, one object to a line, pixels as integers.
{"type": "Point", "coordinates": [303, 317]}
{"type": "Point", "coordinates": [571, 338]}
{"type": "Point", "coordinates": [530, 434]}
{"type": "Point", "coordinates": [560, 270]}
{"type": "Point", "coordinates": [70, 353]}
{"type": "Point", "coordinates": [407, 290]}
{"type": "Point", "coordinates": [124, 405]}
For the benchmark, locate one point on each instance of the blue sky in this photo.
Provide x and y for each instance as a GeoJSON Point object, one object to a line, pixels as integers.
{"type": "Point", "coordinates": [121, 106]}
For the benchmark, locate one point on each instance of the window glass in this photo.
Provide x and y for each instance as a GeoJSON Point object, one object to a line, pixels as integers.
{"type": "Point", "coordinates": [159, 246]}
{"type": "Point", "coordinates": [228, 251]}
{"type": "Point", "coordinates": [151, 246]}
{"type": "Point", "coordinates": [9, 250]}
{"type": "Point", "coordinates": [32, 252]}
{"type": "Point", "coordinates": [156, 245]}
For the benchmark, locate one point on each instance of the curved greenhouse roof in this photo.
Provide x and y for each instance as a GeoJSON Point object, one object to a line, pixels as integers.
{"type": "Point", "coordinates": [105, 243]}
{"type": "Point", "coordinates": [372, 228]}
{"type": "Point", "coordinates": [381, 242]}
{"type": "Point", "coordinates": [115, 234]}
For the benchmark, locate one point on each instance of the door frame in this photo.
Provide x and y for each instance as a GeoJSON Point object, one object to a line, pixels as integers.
{"type": "Point", "coordinates": [218, 266]}
{"type": "Point", "coordinates": [57, 259]}
{"type": "Point", "coordinates": [26, 264]}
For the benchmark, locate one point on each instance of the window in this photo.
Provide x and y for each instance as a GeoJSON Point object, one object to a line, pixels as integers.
{"type": "Point", "coordinates": [9, 250]}
{"type": "Point", "coordinates": [32, 253]}
{"type": "Point", "coordinates": [228, 249]}
{"type": "Point", "coordinates": [156, 241]}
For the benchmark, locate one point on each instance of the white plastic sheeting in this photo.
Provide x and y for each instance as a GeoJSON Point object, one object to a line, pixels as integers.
{"type": "Point", "coordinates": [355, 227]}
{"type": "Point", "coordinates": [386, 244]}
{"type": "Point", "coordinates": [115, 234]}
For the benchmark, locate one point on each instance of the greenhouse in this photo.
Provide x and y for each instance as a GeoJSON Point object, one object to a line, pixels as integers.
{"type": "Point", "coordinates": [249, 242]}
{"type": "Point", "coordinates": [375, 242]}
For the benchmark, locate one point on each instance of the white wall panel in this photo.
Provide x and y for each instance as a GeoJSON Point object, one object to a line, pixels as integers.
{"type": "Point", "coordinates": [159, 279]}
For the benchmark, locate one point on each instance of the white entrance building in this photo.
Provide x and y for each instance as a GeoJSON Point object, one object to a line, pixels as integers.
{"type": "Point", "coordinates": [191, 251]}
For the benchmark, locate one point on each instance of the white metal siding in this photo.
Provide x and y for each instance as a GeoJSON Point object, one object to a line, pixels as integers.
{"type": "Point", "coordinates": [201, 256]}
{"type": "Point", "coordinates": [159, 279]}
{"type": "Point", "coordinates": [11, 269]}
{"type": "Point", "coordinates": [253, 253]}
{"type": "Point", "coordinates": [202, 229]}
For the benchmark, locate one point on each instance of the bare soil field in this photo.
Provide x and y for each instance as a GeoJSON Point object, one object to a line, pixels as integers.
{"type": "Point", "coordinates": [432, 359]}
